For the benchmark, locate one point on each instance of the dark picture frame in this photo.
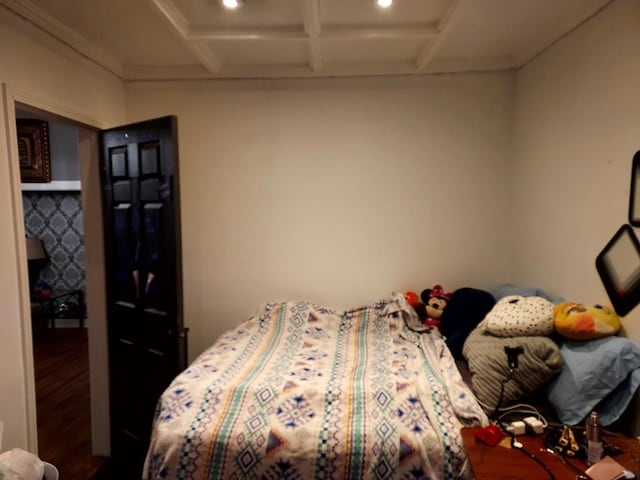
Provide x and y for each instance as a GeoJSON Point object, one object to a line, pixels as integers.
{"type": "Point", "coordinates": [33, 150]}
{"type": "Point", "coordinates": [634, 192]}
{"type": "Point", "coordinates": [618, 265]}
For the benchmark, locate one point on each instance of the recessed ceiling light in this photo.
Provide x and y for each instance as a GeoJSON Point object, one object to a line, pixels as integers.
{"type": "Point", "coordinates": [231, 4]}
{"type": "Point", "coordinates": [384, 3]}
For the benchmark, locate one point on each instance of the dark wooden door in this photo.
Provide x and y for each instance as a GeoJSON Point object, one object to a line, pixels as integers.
{"type": "Point", "coordinates": [147, 341]}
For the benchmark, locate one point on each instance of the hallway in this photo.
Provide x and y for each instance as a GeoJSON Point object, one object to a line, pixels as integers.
{"type": "Point", "coordinates": [62, 394]}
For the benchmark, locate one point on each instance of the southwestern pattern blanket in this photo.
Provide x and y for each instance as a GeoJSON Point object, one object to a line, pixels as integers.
{"type": "Point", "coordinates": [302, 392]}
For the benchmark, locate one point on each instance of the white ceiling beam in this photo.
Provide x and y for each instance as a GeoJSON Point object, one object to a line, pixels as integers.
{"type": "Point", "coordinates": [372, 32]}
{"type": "Point", "coordinates": [286, 33]}
{"type": "Point", "coordinates": [334, 69]}
{"type": "Point", "coordinates": [444, 26]}
{"type": "Point", "coordinates": [314, 50]}
{"type": "Point", "coordinates": [173, 15]}
{"type": "Point", "coordinates": [301, 70]}
{"type": "Point", "coordinates": [277, 33]}
{"type": "Point", "coordinates": [202, 52]}
{"type": "Point", "coordinates": [311, 17]}
{"type": "Point", "coordinates": [313, 28]}
{"type": "Point", "coordinates": [206, 56]}
{"type": "Point", "coordinates": [34, 15]}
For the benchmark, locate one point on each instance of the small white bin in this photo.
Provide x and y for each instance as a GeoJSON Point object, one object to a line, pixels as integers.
{"type": "Point", "coordinates": [50, 472]}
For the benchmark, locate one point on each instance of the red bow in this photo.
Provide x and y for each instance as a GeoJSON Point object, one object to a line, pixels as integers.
{"type": "Point", "coordinates": [437, 291]}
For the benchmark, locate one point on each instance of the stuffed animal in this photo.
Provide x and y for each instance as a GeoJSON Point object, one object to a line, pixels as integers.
{"type": "Point", "coordinates": [578, 322]}
{"type": "Point", "coordinates": [435, 300]}
{"type": "Point", "coordinates": [466, 309]}
{"type": "Point", "coordinates": [413, 299]}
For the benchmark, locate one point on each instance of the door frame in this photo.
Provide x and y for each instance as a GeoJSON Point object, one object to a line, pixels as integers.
{"type": "Point", "coordinates": [94, 260]}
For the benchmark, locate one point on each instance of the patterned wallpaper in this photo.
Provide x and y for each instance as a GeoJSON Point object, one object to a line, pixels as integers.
{"type": "Point", "coordinates": [56, 218]}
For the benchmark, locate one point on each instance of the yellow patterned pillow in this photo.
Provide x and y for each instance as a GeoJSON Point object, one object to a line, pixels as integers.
{"type": "Point", "coordinates": [577, 322]}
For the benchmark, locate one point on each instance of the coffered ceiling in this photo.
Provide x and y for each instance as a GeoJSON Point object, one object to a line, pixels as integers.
{"type": "Point", "coordinates": [183, 39]}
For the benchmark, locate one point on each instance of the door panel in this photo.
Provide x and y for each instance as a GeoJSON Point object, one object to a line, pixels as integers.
{"type": "Point", "coordinates": [124, 235]}
{"type": "Point", "coordinates": [123, 322]}
{"type": "Point", "coordinates": [147, 341]}
{"type": "Point", "coordinates": [155, 290]}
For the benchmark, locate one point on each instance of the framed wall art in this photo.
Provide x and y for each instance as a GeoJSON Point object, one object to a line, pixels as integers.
{"type": "Point", "coordinates": [33, 150]}
{"type": "Point", "coordinates": [634, 197]}
{"type": "Point", "coordinates": [619, 267]}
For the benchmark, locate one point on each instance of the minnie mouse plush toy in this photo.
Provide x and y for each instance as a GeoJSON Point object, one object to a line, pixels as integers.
{"type": "Point", "coordinates": [435, 300]}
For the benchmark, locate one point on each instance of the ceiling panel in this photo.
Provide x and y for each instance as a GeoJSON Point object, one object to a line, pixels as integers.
{"type": "Point", "coordinates": [254, 14]}
{"type": "Point", "coordinates": [374, 50]}
{"type": "Point", "coordinates": [132, 31]}
{"type": "Point", "coordinates": [368, 13]}
{"type": "Point", "coordinates": [525, 27]}
{"type": "Point", "coordinates": [261, 52]}
{"type": "Point", "coordinates": [146, 39]}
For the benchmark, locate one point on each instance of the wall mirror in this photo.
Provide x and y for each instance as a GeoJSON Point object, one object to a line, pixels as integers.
{"type": "Point", "coordinates": [619, 267]}
{"type": "Point", "coordinates": [634, 192]}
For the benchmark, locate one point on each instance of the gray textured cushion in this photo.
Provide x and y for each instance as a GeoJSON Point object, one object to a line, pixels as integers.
{"type": "Point", "coordinates": [487, 362]}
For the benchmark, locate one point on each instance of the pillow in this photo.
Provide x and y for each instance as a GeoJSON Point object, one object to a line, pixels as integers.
{"type": "Point", "coordinates": [599, 375]}
{"type": "Point", "coordinates": [487, 360]}
{"type": "Point", "coordinates": [515, 315]}
{"type": "Point", "coordinates": [506, 289]}
{"type": "Point", "coordinates": [578, 322]}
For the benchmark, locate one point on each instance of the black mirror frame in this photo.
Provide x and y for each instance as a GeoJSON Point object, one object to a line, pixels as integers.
{"type": "Point", "coordinates": [634, 195]}
{"type": "Point", "coordinates": [623, 301]}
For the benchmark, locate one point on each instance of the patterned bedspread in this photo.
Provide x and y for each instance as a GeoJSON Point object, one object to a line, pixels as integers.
{"type": "Point", "coordinates": [302, 392]}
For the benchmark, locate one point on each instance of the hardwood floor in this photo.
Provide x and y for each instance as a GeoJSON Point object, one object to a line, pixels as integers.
{"type": "Point", "coordinates": [63, 404]}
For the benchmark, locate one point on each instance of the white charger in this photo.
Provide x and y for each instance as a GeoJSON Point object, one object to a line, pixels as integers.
{"type": "Point", "coordinates": [536, 425]}
{"type": "Point", "coordinates": [517, 428]}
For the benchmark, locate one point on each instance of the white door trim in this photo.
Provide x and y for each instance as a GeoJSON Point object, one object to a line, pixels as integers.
{"type": "Point", "coordinates": [98, 357]}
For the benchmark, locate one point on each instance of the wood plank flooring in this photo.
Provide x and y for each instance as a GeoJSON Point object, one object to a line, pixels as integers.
{"type": "Point", "coordinates": [63, 404]}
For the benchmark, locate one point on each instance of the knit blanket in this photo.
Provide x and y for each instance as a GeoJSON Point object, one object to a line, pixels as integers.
{"type": "Point", "coordinates": [302, 392]}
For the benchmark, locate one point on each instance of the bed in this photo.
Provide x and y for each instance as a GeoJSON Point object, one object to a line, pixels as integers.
{"type": "Point", "coordinates": [300, 392]}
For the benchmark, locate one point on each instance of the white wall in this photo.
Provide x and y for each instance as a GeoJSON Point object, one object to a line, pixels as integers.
{"type": "Point", "coordinates": [67, 86]}
{"type": "Point", "coordinates": [340, 191]}
{"type": "Point", "coordinates": [63, 142]}
{"type": "Point", "coordinates": [577, 128]}
{"type": "Point", "coordinates": [336, 191]}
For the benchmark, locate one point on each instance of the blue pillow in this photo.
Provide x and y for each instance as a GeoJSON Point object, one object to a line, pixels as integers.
{"type": "Point", "coordinates": [508, 289]}
{"type": "Point", "coordinates": [599, 375]}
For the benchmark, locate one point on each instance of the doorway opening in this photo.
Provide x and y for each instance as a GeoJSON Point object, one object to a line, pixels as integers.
{"type": "Point", "coordinates": [69, 356]}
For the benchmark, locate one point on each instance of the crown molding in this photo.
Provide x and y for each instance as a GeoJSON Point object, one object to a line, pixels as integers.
{"type": "Point", "coordinates": [34, 15]}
